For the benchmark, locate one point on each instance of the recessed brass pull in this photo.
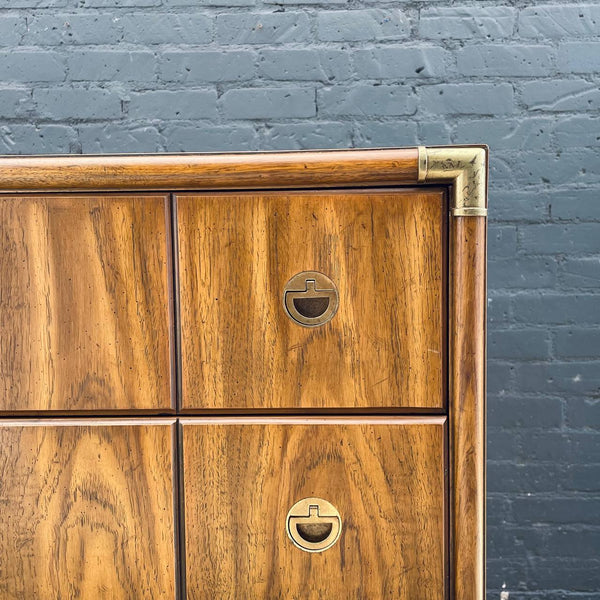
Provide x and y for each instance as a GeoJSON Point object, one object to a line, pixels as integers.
{"type": "Point", "coordinates": [310, 299]}
{"type": "Point", "coordinates": [313, 524]}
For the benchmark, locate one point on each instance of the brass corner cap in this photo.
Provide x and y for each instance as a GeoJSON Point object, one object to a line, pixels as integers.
{"type": "Point", "coordinates": [465, 167]}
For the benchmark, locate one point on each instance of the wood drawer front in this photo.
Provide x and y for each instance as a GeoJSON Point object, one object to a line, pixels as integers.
{"type": "Point", "coordinates": [86, 511]}
{"type": "Point", "coordinates": [385, 477]}
{"type": "Point", "coordinates": [385, 252]}
{"type": "Point", "coordinates": [84, 303]}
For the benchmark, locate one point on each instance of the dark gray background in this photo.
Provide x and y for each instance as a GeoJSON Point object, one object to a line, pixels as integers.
{"type": "Point", "coordinates": [212, 75]}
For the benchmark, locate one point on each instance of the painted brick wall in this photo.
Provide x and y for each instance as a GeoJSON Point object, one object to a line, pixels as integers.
{"type": "Point", "coordinates": [208, 75]}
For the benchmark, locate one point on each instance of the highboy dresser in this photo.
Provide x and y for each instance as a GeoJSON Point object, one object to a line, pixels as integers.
{"type": "Point", "coordinates": [243, 376]}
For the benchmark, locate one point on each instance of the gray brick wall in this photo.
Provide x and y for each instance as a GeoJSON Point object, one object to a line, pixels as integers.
{"type": "Point", "coordinates": [524, 77]}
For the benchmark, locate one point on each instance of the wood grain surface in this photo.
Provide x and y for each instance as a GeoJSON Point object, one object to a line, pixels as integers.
{"type": "Point", "coordinates": [467, 405]}
{"type": "Point", "coordinates": [323, 168]}
{"type": "Point", "coordinates": [84, 303]}
{"type": "Point", "coordinates": [383, 249]}
{"type": "Point", "coordinates": [86, 511]}
{"type": "Point", "coordinates": [386, 480]}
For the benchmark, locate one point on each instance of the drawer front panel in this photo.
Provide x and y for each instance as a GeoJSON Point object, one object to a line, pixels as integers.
{"type": "Point", "coordinates": [385, 478]}
{"type": "Point", "coordinates": [87, 511]}
{"type": "Point", "coordinates": [382, 251]}
{"type": "Point", "coordinates": [84, 303]}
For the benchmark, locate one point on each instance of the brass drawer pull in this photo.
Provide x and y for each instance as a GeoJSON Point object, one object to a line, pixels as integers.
{"type": "Point", "coordinates": [310, 299]}
{"type": "Point", "coordinates": [313, 524]}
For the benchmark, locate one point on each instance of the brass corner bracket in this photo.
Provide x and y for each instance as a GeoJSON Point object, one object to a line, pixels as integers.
{"type": "Point", "coordinates": [465, 168]}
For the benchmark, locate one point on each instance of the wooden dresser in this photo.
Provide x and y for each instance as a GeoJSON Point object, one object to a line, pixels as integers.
{"type": "Point", "coordinates": [243, 376]}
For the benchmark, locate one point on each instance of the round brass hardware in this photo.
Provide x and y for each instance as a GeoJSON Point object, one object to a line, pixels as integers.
{"type": "Point", "coordinates": [313, 524]}
{"type": "Point", "coordinates": [310, 299]}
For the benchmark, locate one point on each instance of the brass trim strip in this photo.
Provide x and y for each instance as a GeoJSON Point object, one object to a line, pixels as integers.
{"type": "Point", "coordinates": [469, 211]}
{"type": "Point", "coordinates": [465, 167]}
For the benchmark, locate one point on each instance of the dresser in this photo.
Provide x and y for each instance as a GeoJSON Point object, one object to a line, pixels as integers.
{"type": "Point", "coordinates": [243, 376]}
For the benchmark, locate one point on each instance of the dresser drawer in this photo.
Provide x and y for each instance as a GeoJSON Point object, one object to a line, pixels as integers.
{"type": "Point", "coordinates": [384, 477]}
{"type": "Point", "coordinates": [86, 510]}
{"type": "Point", "coordinates": [84, 303]}
{"type": "Point", "coordinates": [251, 264]}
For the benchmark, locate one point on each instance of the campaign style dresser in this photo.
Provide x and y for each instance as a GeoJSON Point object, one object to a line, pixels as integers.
{"type": "Point", "coordinates": [243, 376]}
